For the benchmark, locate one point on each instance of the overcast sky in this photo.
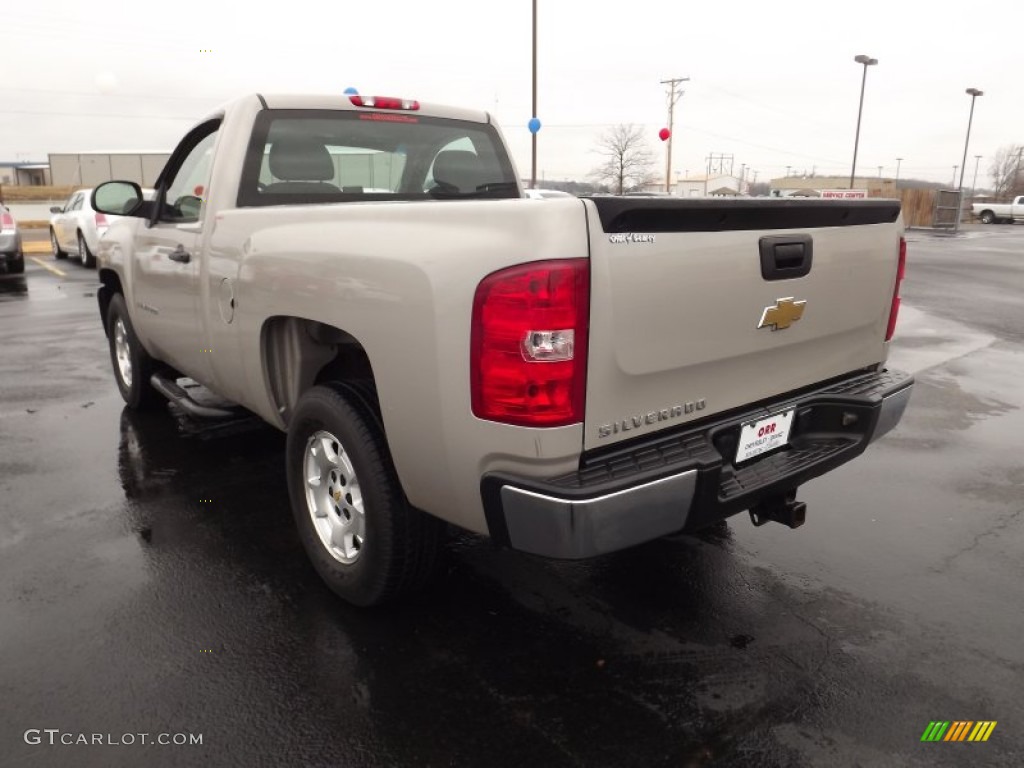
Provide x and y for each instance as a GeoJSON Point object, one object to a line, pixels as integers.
{"type": "Point", "coordinates": [772, 83]}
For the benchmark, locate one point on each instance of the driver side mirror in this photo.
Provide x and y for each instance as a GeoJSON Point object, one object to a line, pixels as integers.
{"type": "Point", "coordinates": [118, 198]}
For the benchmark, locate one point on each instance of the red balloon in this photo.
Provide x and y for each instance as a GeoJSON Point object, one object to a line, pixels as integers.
{"type": "Point", "coordinates": [664, 133]}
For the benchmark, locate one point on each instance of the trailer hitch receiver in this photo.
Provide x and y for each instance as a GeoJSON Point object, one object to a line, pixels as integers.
{"type": "Point", "coordinates": [783, 508]}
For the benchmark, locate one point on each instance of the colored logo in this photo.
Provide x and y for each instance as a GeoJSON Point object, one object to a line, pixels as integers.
{"type": "Point", "coordinates": [958, 730]}
{"type": "Point", "coordinates": [783, 314]}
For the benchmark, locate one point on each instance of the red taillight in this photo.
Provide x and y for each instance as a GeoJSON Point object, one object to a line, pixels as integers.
{"type": "Point", "coordinates": [101, 220]}
{"type": "Point", "coordinates": [901, 270]}
{"type": "Point", "coordinates": [528, 358]}
{"type": "Point", "coordinates": [6, 221]}
{"type": "Point", "coordinates": [384, 102]}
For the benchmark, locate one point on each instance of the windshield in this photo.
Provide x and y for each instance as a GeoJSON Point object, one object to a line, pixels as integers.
{"type": "Point", "coordinates": [318, 156]}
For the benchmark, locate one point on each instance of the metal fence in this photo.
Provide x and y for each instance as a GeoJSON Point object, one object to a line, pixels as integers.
{"type": "Point", "coordinates": [946, 214]}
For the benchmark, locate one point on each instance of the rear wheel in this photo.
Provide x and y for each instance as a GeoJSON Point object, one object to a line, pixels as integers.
{"type": "Point", "coordinates": [55, 247]}
{"type": "Point", "coordinates": [16, 266]}
{"type": "Point", "coordinates": [132, 364]}
{"type": "Point", "coordinates": [362, 536]}
{"type": "Point", "coordinates": [88, 260]}
{"type": "Point", "coordinates": [987, 217]}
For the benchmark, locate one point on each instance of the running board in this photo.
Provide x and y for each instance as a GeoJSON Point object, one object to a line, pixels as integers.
{"type": "Point", "coordinates": [169, 388]}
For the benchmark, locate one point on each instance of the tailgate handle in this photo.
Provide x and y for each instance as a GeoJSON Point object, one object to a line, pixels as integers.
{"type": "Point", "coordinates": [784, 257]}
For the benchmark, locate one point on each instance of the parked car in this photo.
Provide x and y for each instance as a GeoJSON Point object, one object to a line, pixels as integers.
{"type": "Point", "coordinates": [570, 378]}
{"type": "Point", "coordinates": [994, 213]}
{"type": "Point", "coordinates": [77, 228]}
{"type": "Point", "coordinates": [12, 258]}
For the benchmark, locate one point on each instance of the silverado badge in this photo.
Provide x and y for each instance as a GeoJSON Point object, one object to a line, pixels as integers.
{"type": "Point", "coordinates": [783, 314]}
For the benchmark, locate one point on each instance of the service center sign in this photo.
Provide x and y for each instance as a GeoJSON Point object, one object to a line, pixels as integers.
{"type": "Point", "coordinates": [844, 194]}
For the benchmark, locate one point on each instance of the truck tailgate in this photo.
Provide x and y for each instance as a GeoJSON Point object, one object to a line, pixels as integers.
{"type": "Point", "coordinates": [679, 289]}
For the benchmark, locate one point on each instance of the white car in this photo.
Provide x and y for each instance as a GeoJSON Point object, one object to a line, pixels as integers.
{"type": "Point", "coordinates": [77, 228]}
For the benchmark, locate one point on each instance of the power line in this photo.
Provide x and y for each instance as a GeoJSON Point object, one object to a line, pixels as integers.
{"type": "Point", "coordinates": [192, 118]}
{"type": "Point", "coordinates": [112, 94]}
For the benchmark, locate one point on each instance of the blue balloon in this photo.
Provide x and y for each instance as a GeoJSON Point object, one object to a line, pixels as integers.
{"type": "Point", "coordinates": [533, 125]}
{"type": "Point", "coordinates": [351, 91]}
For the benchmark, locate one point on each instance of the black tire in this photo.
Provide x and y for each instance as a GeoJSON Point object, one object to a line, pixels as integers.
{"type": "Point", "coordinates": [401, 547]}
{"type": "Point", "coordinates": [55, 246]}
{"type": "Point", "coordinates": [16, 266]}
{"type": "Point", "coordinates": [138, 393]}
{"type": "Point", "coordinates": [86, 256]}
{"type": "Point", "coordinates": [987, 217]}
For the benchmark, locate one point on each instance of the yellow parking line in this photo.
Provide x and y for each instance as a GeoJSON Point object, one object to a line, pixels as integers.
{"type": "Point", "coordinates": [47, 267]}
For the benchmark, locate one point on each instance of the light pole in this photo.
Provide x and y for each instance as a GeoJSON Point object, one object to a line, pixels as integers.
{"type": "Point", "coordinates": [898, 161]}
{"type": "Point", "coordinates": [974, 93]}
{"type": "Point", "coordinates": [974, 184]}
{"type": "Point", "coordinates": [953, 182]}
{"type": "Point", "coordinates": [867, 61]}
{"type": "Point", "coordinates": [880, 171]}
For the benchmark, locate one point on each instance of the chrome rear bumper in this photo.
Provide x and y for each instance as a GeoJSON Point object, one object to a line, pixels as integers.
{"type": "Point", "coordinates": [684, 479]}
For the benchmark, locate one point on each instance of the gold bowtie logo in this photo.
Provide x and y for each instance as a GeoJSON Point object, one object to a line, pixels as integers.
{"type": "Point", "coordinates": [783, 314]}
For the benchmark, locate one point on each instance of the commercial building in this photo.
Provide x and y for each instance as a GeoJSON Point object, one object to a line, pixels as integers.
{"type": "Point", "coordinates": [23, 174]}
{"type": "Point", "coordinates": [812, 185]}
{"type": "Point", "coordinates": [87, 169]}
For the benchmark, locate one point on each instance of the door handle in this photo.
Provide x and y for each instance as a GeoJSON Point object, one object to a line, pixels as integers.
{"type": "Point", "coordinates": [784, 257]}
{"type": "Point", "coordinates": [179, 254]}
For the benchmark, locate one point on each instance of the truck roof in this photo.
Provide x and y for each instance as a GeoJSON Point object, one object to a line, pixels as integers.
{"type": "Point", "coordinates": [342, 101]}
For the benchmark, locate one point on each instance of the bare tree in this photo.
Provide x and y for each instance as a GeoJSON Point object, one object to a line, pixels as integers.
{"type": "Point", "coordinates": [627, 159]}
{"type": "Point", "coordinates": [1007, 172]}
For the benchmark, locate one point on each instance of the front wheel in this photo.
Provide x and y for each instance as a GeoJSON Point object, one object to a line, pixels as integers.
{"type": "Point", "coordinates": [87, 257]}
{"type": "Point", "coordinates": [362, 536]}
{"type": "Point", "coordinates": [132, 364]}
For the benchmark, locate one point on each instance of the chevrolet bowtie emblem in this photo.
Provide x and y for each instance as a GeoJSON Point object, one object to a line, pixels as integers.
{"type": "Point", "coordinates": [782, 315]}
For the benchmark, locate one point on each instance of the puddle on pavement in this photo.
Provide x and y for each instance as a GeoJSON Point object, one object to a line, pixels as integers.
{"type": "Point", "coordinates": [13, 287]}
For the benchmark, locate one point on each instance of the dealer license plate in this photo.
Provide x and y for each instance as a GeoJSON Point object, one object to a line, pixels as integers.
{"type": "Point", "coordinates": [763, 435]}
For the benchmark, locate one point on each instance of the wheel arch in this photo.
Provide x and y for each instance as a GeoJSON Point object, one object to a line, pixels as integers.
{"type": "Point", "coordinates": [110, 284]}
{"type": "Point", "coordinates": [298, 353]}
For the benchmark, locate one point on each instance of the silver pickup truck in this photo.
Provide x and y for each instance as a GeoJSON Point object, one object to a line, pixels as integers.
{"type": "Point", "coordinates": [568, 376]}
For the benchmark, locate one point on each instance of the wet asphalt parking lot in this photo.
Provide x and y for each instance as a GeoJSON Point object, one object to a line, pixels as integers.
{"type": "Point", "coordinates": [151, 583]}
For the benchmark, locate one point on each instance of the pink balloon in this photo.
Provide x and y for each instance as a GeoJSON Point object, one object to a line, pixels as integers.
{"type": "Point", "coordinates": [664, 133]}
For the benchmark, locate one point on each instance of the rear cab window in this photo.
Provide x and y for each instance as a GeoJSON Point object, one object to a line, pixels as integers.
{"type": "Point", "coordinates": [331, 156]}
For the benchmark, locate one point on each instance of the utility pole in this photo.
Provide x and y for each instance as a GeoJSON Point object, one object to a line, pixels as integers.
{"type": "Point", "coordinates": [1016, 174]}
{"type": "Point", "coordinates": [533, 157]}
{"type": "Point", "coordinates": [674, 93]}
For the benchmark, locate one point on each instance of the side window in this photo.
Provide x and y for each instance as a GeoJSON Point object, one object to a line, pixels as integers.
{"type": "Point", "coordinates": [186, 189]}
